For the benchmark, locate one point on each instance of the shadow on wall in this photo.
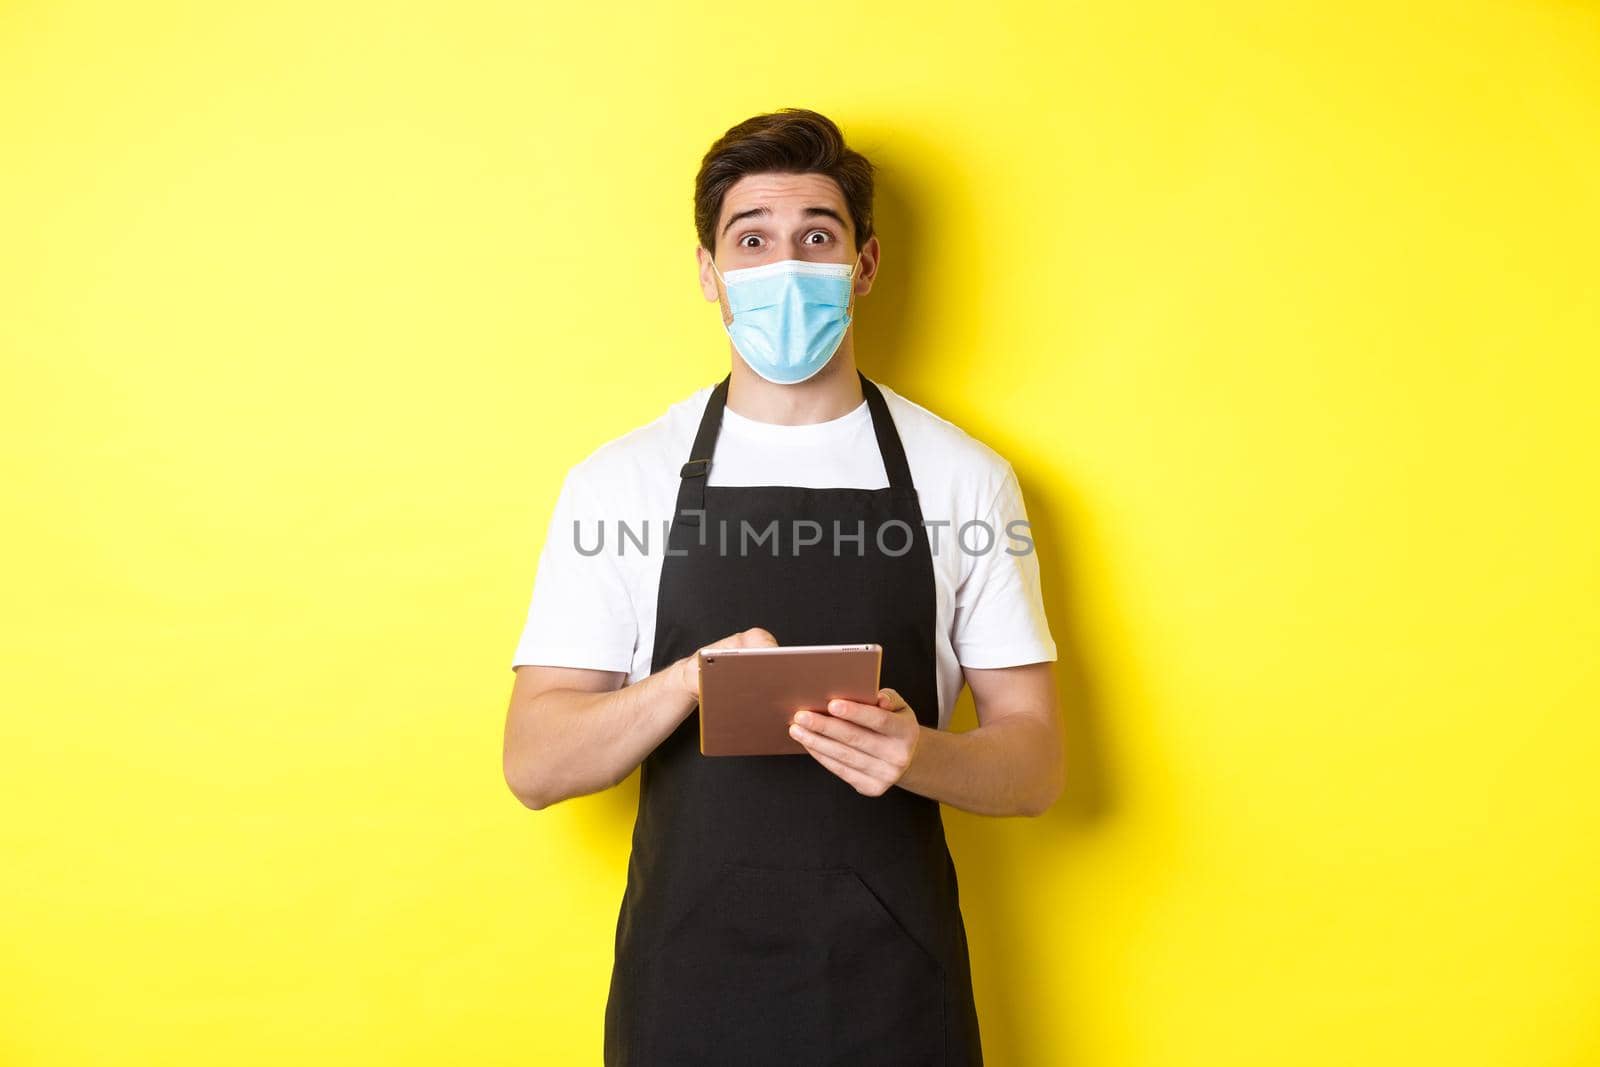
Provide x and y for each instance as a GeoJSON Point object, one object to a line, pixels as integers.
{"type": "Point", "coordinates": [1007, 868]}
{"type": "Point", "coordinates": [1010, 869]}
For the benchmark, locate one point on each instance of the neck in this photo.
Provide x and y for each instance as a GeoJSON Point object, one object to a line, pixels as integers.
{"type": "Point", "coordinates": [832, 392]}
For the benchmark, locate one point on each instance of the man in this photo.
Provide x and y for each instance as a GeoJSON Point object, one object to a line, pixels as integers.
{"type": "Point", "coordinates": [786, 909]}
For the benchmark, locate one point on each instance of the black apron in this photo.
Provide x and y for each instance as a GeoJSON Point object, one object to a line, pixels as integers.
{"type": "Point", "coordinates": [773, 915]}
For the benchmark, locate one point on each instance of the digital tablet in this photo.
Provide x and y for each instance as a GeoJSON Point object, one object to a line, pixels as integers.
{"type": "Point", "coordinates": [748, 696]}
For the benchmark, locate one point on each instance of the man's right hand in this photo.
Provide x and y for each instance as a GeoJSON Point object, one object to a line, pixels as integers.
{"type": "Point", "coordinates": [687, 669]}
{"type": "Point", "coordinates": [572, 731]}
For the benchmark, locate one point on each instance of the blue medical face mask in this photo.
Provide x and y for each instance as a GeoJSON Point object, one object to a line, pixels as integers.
{"type": "Point", "coordinates": [789, 316]}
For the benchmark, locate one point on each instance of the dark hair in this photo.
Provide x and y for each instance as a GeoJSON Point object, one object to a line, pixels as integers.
{"type": "Point", "coordinates": [792, 140]}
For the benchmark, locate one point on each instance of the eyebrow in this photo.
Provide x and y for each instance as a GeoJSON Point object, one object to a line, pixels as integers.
{"type": "Point", "coordinates": [762, 211]}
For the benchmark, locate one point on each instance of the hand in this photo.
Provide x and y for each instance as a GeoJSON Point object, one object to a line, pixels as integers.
{"type": "Point", "coordinates": [686, 672]}
{"type": "Point", "coordinates": [870, 746]}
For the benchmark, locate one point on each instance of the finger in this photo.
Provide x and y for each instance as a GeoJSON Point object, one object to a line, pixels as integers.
{"type": "Point", "coordinates": [848, 733]}
{"type": "Point", "coordinates": [756, 637]}
{"type": "Point", "coordinates": [845, 753]}
{"type": "Point", "coordinates": [862, 783]}
{"type": "Point", "coordinates": [869, 716]}
{"type": "Point", "coordinates": [890, 700]}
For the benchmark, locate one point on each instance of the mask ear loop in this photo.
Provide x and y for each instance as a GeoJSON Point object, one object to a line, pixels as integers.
{"type": "Point", "coordinates": [850, 310]}
{"type": "Point", "coordinates": [725, 295]}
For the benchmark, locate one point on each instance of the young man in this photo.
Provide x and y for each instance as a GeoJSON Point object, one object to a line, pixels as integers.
{"type": "Point", "coordinates": [785, 909]}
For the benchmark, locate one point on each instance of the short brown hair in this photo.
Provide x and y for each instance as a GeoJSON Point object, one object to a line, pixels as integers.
{"type": "Point", "coordinates": [792, 140]}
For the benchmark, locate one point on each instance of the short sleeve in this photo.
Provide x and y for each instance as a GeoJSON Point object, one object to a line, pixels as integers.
{"type": "Point", "coordinates": [580, 613]}
{"type": "Point", "coordinates": [999, 611]}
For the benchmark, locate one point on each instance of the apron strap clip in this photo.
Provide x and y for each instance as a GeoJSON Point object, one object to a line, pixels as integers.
{"type": "Point", "coordinates": [695, 468]}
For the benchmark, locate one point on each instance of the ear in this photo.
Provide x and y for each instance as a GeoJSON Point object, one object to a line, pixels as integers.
{"type": "Point", "coordinates": [870, 253]}
{"type": "Point", "coordinates": [710, 287]}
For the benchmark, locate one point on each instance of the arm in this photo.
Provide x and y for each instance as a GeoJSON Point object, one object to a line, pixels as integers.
{"type": "Point", "coordinates": [571, 731]}
{"type": "Point", "coordinates": [1010, 765]}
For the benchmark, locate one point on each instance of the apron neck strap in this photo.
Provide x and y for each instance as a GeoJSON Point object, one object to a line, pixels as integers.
{"type": "Point", "coordinates": [889, 446]}
{"type": "Point", "coordinates": [691, 496]}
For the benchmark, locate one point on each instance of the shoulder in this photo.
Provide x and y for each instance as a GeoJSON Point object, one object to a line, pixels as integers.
{"type": "Point", "coordinates": [637, 458]}
{"type": "Point", "coordinates": [937, 448]}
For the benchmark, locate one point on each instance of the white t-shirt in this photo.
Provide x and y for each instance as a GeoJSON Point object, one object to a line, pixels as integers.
{"type": "Point", "coordinates": [594, 596]}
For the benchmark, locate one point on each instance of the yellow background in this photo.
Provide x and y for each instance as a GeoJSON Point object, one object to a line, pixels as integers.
{"type": "Point", "coordinates": [1286, 318]}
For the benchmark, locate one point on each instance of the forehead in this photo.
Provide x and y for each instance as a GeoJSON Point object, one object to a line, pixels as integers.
{"type": "Point", "coordinates": [785, 194]}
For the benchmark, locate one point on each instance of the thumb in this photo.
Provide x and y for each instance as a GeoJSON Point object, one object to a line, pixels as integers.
{"type": "Point", "coordinates": [755, 637]}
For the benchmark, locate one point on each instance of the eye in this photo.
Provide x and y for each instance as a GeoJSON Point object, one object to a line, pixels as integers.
{"type": "Point", "coordinates": [813, 233]}
{"type": "Point", "coordinates": [747, 237]}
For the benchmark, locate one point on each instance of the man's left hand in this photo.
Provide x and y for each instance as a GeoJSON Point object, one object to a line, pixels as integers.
{"type": "Point", "coordinates": [868, 745]}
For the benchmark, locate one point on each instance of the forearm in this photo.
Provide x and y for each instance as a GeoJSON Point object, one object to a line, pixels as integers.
{"type": "Point", "coordinates": [568, 742]}
{"type": "Point", "coordinates": [1011, 766]}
